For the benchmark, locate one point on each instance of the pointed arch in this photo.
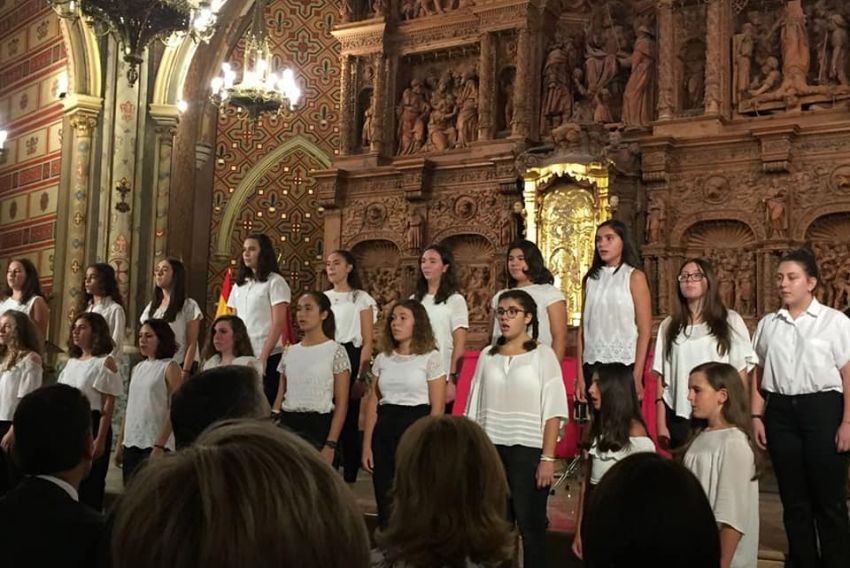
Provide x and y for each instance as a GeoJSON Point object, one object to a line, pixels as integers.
{"type": "Point", "coordinates": [253, 177]}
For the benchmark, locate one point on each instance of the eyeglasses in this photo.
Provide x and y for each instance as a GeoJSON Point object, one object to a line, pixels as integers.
{"type": "Point", "coordinates": [692, 277]}
{"type": "Point", "coordinates": [510, 312]}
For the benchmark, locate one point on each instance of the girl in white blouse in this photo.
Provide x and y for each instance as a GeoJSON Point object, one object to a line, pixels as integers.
{"type": "Point", "coordinates": [518, 397]}
{"type": "Point", "coordinates": [182, 313]}
{"type": "Point", "coordinates": [146, 429]}
{"type": "Point", "coordinates": [527, 271]}
{"type": "Point", "coordinates": [437, 289]}
{"type": "Point", "coordinates": [93, 371]}
{"type": "Point", "coordinates": [722, 456]}
{"type": "Point", "coordinates": [617, 430]}
{"type": "Point", "coordinates": [313, 394]}
{"type": "Point", "coordinates": [260, 297]}
{"type": "Point", "coordinates": [410, 383]}
{"type": "Point", "coordinates": [23, 293]}
{"type": "Point", "coordinates": [20, 374]}
{"type": "Point", "coordinates": [800, 403]}
{"type": "Point", "coordinates": [700, 329]}
{"type": "Point", "coordinates": [355, 313]}
{"type": "Point", "coordinates": [616, 319]}
{"type": "Point", "coordinates": [229, 344]}
{"type": "Point", "coordinates": [103, 297]}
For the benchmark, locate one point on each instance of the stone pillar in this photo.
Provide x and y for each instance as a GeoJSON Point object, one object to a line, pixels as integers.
{"type": "Point", "coordinates": [486, 87]}
{"type": "Point", "coordinates": [666, 60]}
{"type": "Point", "coordinates": [379, 87]}
{"type": "Point", "coordinates": [716, 55]}
{"type": "Point", "coordinates": [523, 89]}
{"type": "Point", "coordinates": [346, 118]}
{"type": "Point", "coordinates": [165, 127]}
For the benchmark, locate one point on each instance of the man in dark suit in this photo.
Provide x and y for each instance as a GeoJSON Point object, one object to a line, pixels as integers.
{"type": "Point", "coordinates": [42, 522]}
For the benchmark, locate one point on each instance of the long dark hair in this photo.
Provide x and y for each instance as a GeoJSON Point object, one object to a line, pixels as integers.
{"type": "Point", "coordinates": [24, 339]}
{"type": "Point", "coordinates": [177, 294]}
{"type": "Point", "coordinates": [31, 288]}
{"type": "Point", "coordinates": [328, 324]}
{"type": "Point", "coordinates": [108, 283]}
{"type": "Point", "coordinates": [166, 344]}
{"type": "Point", "coordinates": [266, 261]}
{"type": "Point", "coordinates": [537, 272]}
{"type": "Point", "coordinates": [101, 340]}
{"type": "Point", "coordinates": [448, 281]}
{"type": "Point", "coordinates": [423, 336]}
{"type": "Point", "coordinates": [629, 256]}
{"type": "Point", "coordinates": [241, 342]}
{"type": "Point", "coordinates": [714, 313]}
{"type": "Point", "coordinates": [619, 409]}
{"type": "Point", "coordinates": [528, 304]}
{"type": "Point", "coordinates": [353, 277]}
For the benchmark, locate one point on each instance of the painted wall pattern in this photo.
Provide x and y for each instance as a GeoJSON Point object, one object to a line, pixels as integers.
{"type": "Point", "coordinates": [32, 58]}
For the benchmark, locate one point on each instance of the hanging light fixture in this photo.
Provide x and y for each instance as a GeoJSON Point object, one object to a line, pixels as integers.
{"type": "Point", "coordinates": [261, 89]}
{"type": "Point", "coordinates": [137, 23]}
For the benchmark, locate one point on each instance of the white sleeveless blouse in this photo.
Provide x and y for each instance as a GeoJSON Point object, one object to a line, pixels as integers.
{"type": "Point", "coordinates": [147, 404]}
{"type": "Point", "coordinates": [610, 332]}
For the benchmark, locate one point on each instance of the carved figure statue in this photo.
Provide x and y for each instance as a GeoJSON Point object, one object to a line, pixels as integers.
{"type": "Point", "coordinates": [346, 10]}
{"type": "Point", "coordinates": [771, 79]}
{"type": "Point", "coordinates": [694, 83]}
{"type": "Point", "coordinates": [409, 9]}
{"type": "Point", "coordinates": [655, 216]}
{"type": "Point", "coordinates": [366, 131]}
{"type": "Point", "coordinates": [467, 118]}
{"type": "Point", "coordinates": [777, 220]}
{"type": "Point", "coordinates": [602, 107]}
{"type": "Point", "coordinates": [414, 230]}
{"type": "Point", "coordinates": [602, 63]}
{"type": "Point", "coordinates": [744, 288]}
{"type": "Point", "coordinates": [412, 113]}
{"type": "Point", "coordinates": [507, 86]}
{"type": "Point", "coordinates": [795, 45]}
{"type": "Point", "coordinates": [556, 105]}
{"type": "Point", "coordinates": [637, 97]}
{"type": "Point", "coordinates": [838, 42]}
{"type": "Point", "coordinates": [379, 8]}
{"type": "Point", "coordinates": [442, 134]}
{"type": "Point", "coordinates": [746, 45]}
{"type": "Point", "coordinates": [726, 282]}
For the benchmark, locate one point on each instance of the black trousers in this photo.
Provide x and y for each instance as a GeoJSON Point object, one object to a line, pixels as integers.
{"type": "Point", "coordinates": [271, 380]}
{"type": "Point", "coordinates": [680, 428]}
{"type": "Point", "coordinates": [393, 421]}
{"type": "Point", "coordinates": [134, 458]}
{"type": "Point", "coordinates": [93, 486]}
{"type": "Point", "coordinates": [527, 503]}
{"type": "Point", "coordinates": [350, 438]}
{"type": "Point", "coordinates": [812, 476]}
{"type": "Point", "coordinates": [311, 426]}
{"type": "Point", "coordinates": [10, 475]}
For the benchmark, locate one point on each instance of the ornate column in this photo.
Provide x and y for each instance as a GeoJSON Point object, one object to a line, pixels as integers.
{"type": "Point", "coordinates": [523, 90]}
{"type": "Point", "coordinates": [716, 54]}
{"type": "Point", "coordinates": [346, 107]}
{"type": "Point", "coordinates": [486, 86]}
{"type": "Point", "coordinates": [666, 59]}
{"type": "Point", "coordinates": [379, 88]}
{"type": "Point", "coordinates": [165, 118]}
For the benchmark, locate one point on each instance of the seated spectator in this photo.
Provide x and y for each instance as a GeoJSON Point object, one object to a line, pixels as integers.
{"type": "Point", "coordinates": [247, 493]}
{"type": "Point", "coordinates": [648, 510]}
{"type": "Point", "coordinates": [450, 499]}
{"type": "Point", "coordinates": [42, 522]}
{"type": "Point", "coordinates": [216, 394]}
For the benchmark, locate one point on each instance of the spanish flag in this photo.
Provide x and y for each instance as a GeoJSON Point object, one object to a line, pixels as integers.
{"type": "Point", "coordinates": [222, 309]}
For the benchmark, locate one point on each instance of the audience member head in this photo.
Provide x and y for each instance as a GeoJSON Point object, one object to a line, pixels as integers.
{"type": "Point", "coordinates": [515, 314]}
{"type": "Point", "coordinates": [22, 275]}
{"type": "Point", "coordinates": [169, 276]}
{"type": "Point", "coordinates": [525, 265]}
{"type": "Point", "coordinates": [53, 433]}
{"type": "Point", "coordinates": [247, 493]}
{"type": "Point", "coordinates": [699, 297]}
{"type": "Point", "coordinates": [90, 332]}
{"type": "Point", "coordinates": [313, 311]}
{"type": "Point", "coordinates": [614, 406]}
{"type": "Point", "coordinates": [437, 265]}
{"type": "Point", "coordinates": [649, 509]}
{"type": "Point", "coordinates": [797, 277]}
{"type": "Point", "coordinates": [342, 266]}
{"type": "Point", "coordinates": [408, 323]}
{"type": "Point", "coordinates": [229, 336]}
{"type": "Point", "coordinates": [100, 281]}
{"type": "Point", "coordinates": [18, 336]}
{"type": "Point", "coordinates": [221, 393]}
{"type": "Point", "coordinates": [449, 497]}
{"type": "Point", "coordinates": [156, 340]}
{"type": "Point", "coordinates": [615, 246]}
{"type": "Point", "coordinates": [258, 259]}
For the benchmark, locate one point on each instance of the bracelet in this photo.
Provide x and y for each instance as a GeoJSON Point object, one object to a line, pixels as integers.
{"type": "Point", "coordinates": [659, 399]}
{"type": "Point", "coordinates": [330, 444]}
{"type": "Point", "coordinates": [159, 447]}
{"type": "Point", "coordinates": [758, 416]}
{"type": "Point", "coordinates": [545, 458]}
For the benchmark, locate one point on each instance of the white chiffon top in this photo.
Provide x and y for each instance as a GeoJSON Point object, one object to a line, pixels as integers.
{"type": "Point", "coordinates": [17, 382]}
{"type": "Point", "coordinates": [609, 332]}
{"type": "Point", "coordinates": [147, 404]}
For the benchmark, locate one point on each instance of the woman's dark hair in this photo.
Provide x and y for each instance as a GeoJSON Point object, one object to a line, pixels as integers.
{"type": "Point", "coordinates": [806, 259]}
{"type": "Point", "coordinates": [101, 339]}
{"type": "Point", "coordinates": [449, 497]}
{"type": "Point", "coordinates": [423, 336]}
{"type": "Point", "coordinates": [266, 261]}
{"type": "Point", "coordinates": [619, 409]}
{"type": "Point", "coordinates": [32, 287]}
{"type": "Point", "coordinates": [241, 342]}
{"type": "Point", "coordinates": [107, 282]}
{"type": "Point", "coordinates": [166, 346]}
{"type": "Point", "coordinates": [537, 272]}
{"type": "Point", "coordinates": [629, 256]}
{"type": "Point", "coordinates": [24, 338]}
{"type": "Point", "coordinates": [647, 506]}
{"type": "Point", "coordinates": [177, 294]}
{"type": "Point", "coordinates": [528, 304]}
{"type": "Point", "coordinates": [328, 324]}
{"type": "Point", "coordinates": [714, 313]}
{"type": "Point", "coordinates": [353, 277]}
{"type": "Point", "coordinates": [448, 281]}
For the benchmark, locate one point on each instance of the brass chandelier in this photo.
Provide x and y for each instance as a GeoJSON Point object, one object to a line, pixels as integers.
{"type": "Point", "coordinates": [261, 88]}
{"type": "Point", "coordinates": [137, 23]}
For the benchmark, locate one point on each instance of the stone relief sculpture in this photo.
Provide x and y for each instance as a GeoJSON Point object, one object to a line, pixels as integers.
{"type": "Point", "coordinates": [467, 118]}
{"type": "Point", "coordinates": [412, 115]}
{"type": "Point", "coordinates": [507, 88]}
{"type": "Point", "coordinates": [366, 131]}
{"type": "Point", "coordinates": [638, 96]}
{"type": "Point", "coordinates": [745, 44]}
{"type": "Point", "coordinates": [415, 230]}
{"type": "Point", "coordinates": [411, 9]}
{"type": "Point", "coordinates": [655, 217]}
{"type": "Point", "coordinates": [775, 215]}
{"type": "Point", "coordinates": [556, 105]}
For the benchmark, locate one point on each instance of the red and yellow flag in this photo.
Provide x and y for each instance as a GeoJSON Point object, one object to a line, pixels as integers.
{"type": "Point", "coordinates": [222, 309]}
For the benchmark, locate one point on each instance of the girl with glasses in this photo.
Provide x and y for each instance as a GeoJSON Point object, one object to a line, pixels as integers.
{"type": "Point", "coordinates": [518, 397]}
{"type": "Point", "coordinates": [700, 330]}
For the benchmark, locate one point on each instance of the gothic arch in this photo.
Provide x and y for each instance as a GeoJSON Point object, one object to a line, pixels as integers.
{"type": "Point", "coordinates": [84, 71]}
{"type": "Point", "coordinates": [804, 224]}
{"type": "Point", "coordinates": [683, 227]}
{"type": "Point", "coordinates": [249, 182]}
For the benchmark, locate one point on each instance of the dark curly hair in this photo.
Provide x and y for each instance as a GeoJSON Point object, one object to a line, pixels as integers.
{"type": "Point", "coordinates": [166, 346]}
{"type": "Point", "coordinates": [24, 338]}
{"type": "Point", "coordinates": [107, 283]}
{"type": "Point", "coordinates": [423, 337]}
{"type": "Point", "coordinates": [101, 339]}
{"type": "Point", "coordinates": [537, 272]}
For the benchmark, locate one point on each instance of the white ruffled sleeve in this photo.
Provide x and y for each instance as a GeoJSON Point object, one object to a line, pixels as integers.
{"type": "Point", "coordinates": [553, 402]}
{"type": "Point", "coordinates": [473, 400]}
{"type": "Point", "coordinates": [108, 382]}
